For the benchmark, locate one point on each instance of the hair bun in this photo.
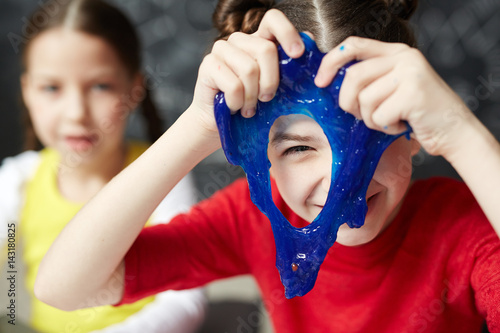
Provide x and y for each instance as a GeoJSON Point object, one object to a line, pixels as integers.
{"type": "Point", "coordinates": [239, 15]}
{"type": "Point", "coordinates": [404, 9]}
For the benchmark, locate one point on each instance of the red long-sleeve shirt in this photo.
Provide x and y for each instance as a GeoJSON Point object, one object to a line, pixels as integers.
{"type": "Point", "coordinates": [436, 268]}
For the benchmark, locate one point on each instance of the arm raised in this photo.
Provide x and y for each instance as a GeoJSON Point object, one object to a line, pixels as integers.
{"type": "Point", "coordinates": [86, 260]}
{"type": "Point", "coordinates": [395, 84]}
{"type": "Point", "coordinates": [91, 248]}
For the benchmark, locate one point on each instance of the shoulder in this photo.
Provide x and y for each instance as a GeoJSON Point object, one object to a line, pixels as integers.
{"type": "Point", "coordinates": [437, 185]}
{"type": "Point", "coordinates": [18, 168]}
{"type": "Point", "coordinates": [14, 173]}
{"type": "Point", "coordinates": [231, 203]}
{"type": "Point", "coordinates": [232, 210]}
{"type": "Point", "coordinates": [451, 232]}
{"type": "Point", "coordinates": [236, 193]}
{"type": "Point", "coordinates": [21, 162]}
{"type": "Point", "coordinates": [444, 210]}
{"type": "Point", "coordinates": [234, 197]}
{"type": "Point", "coordinates": [442, 195]}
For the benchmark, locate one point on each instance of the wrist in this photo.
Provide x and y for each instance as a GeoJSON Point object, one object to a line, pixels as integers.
{"type": "Point", "coordinates": [202, 130]}
{"type": "Point", "coordinates": [472, 140]}
{"type": "Point", "coordinates": [449, 129]}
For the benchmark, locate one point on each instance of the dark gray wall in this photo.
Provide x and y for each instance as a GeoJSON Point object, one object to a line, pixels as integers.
{"type": "Point", "coordinates": [461, 39]}
{"type": "Point", "coordinates": [174, 34]}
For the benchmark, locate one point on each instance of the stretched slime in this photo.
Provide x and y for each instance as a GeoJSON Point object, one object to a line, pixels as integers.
{"type": "Point", "coordinates": [356, 150]}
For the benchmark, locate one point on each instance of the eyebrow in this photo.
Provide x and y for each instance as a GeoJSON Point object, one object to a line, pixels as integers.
{"type": "Point", "coordinates": [283, 136]}
{"type": "Point", "coordinates": [102, 72]}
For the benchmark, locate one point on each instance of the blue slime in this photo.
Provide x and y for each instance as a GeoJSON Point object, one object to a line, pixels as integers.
{"type": "Point", "coordinates": [356, 150]}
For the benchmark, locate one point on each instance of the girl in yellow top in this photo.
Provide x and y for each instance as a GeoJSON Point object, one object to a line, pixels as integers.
{"type": "Point", "coordinates": [81, 80]}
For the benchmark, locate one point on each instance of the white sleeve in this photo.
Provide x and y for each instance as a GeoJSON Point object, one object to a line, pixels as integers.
{"type": "Point", "coordinates": [171, 311]}
{"type": "Point", "coordinates": [14, 173]}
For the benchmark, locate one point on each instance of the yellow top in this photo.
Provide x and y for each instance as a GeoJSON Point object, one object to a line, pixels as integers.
{"type": "Point", "coordinates": [43, 217]}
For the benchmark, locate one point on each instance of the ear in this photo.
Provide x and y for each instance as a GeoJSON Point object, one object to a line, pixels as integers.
{"type": "Point", "coordinates": [137, 86]}
{"type": "Point", "coordinates": [138, 80]}
{"type": "Point", "coordinates": [415, 146]}
{"type": "Point", "coordinates": [25, 89]}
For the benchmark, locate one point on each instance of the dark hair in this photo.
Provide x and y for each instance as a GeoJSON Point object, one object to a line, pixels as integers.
{"type": "Point", "coordinates": [105, 21]}
{"type": "Point", "coordinates": [330, 21]}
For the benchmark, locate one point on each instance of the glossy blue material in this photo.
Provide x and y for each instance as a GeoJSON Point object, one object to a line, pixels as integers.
{"type": "Point", "coordinates": [356, 151]}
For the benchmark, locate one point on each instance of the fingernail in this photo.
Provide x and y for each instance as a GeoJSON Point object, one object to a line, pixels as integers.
{"type": "Point", "coordinates": [342, 47]}
{"type": "Point", "coordinates": [296, 48]}
{"type": "Point", "coordinates": [319, 79]}
{"type": "Point", "coordinates": [248, 112]}
{"type": "Point", "coordinates": [266, 97]}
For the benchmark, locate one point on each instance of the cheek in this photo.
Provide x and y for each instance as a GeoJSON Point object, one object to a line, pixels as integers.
{"type": "Point", "coordinates": [395, 169]}
{"type": "Point", "coordinates": [45, 121]}
{"type": "Point", "coordinates": [110, 113]}
{"type": "Point", "coordinates": [291, 185]}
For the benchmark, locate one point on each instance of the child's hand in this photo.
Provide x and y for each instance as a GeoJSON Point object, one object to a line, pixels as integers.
{"type": "Point", "coordinates": [395, 83]}
{"type": "Point", "coordinates": [245, 68]}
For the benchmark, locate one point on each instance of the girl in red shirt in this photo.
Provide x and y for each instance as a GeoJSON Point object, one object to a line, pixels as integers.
{"type": "Point", "coordinates": [417, 265]}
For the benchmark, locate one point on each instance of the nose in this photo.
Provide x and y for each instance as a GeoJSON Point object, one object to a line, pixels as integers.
{"type": "Point", "coordinates": [321, 189]}
{"type": "Point", "coordinates": [76, 108]}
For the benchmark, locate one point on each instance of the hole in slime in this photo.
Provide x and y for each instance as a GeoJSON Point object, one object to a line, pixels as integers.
{"type": "Point", "coordinates": [301, 163]}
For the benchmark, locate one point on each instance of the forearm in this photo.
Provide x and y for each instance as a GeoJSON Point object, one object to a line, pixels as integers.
{"type": "Point", "coordinates": [477, 160]}
{"type": "Point", "coordinates": [92, 246]}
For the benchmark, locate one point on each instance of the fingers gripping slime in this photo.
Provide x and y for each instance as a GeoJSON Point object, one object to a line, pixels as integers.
{"type": "Point", "coordinates": [356, 150]}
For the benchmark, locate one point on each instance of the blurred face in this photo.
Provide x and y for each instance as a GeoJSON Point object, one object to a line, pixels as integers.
{"type": "Point", "coordinates": [78, 94]}
{"type": "Point", "coordinates": [301, 161]}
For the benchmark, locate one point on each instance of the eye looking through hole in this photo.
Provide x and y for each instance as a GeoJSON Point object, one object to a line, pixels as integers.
{"type": "Point", "coordinates": [301, 164]}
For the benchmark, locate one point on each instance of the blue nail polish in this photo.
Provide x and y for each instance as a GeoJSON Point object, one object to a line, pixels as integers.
{"type": "Point", "coordinates": [386, 127]}
{"type": "Point", "coordinates": [342, 48]}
